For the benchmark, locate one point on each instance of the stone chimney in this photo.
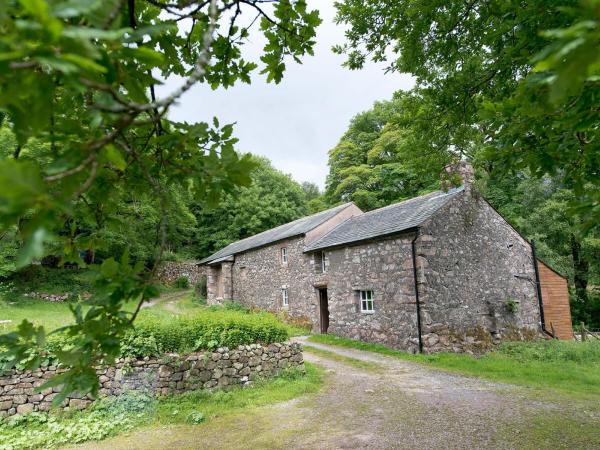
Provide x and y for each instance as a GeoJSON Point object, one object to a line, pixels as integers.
{"type": "Point", "coordinates": [457, 174]}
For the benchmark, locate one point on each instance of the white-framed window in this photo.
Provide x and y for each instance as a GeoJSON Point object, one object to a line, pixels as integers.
{"type": "Point", "coordinates": [323, 265]}
{"type": "Point", "coordinates": [284, 255]}
{"type": "Point", "coordinates": [285, 299]}
{"type": "Point", "coordinates": [366, 302]}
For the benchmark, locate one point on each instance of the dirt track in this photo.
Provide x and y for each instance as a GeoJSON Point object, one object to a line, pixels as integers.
{"type": "Point", "coordinates": [401, 405]}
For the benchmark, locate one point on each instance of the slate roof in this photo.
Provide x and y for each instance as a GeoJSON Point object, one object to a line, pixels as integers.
{"type": "Point", "coordinates": [288, 230]}
{"type": "Point", "coordinates": [385, 221]}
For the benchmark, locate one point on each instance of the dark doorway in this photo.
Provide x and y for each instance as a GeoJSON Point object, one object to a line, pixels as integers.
{"type": "Point", "coordinates": [324, 309]}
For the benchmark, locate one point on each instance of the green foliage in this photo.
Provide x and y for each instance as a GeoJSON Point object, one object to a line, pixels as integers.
{"type": "Point", "coordinates": [195, 418]}
{"type": "Point", "coordinates": [516, 81]}
{"type": "Point", "coordinates": [92, 163]}
{"type": "Point", "coordinates": [105, 418]}
{"type": "Point", "coordinates": [272, 200]}
{"type": "Point", "coordinates": [387, 154]}
{"type": "Point", "coordinates": [225, 327]}
{"type": "Point", "coordinates": [8, 253]}
{"type": "Point", "coordinates": [512, 305]}
{"type": "Point", "coordinates": [553, 351]}
{"type": "Point", "coordinates": [37, 278]}
{"type": "Point", "coordinates": [182, 283]}
{"type": "Point", "coordinates": [201, 288]}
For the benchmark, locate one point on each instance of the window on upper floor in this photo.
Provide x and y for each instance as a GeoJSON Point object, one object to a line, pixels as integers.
{"type": "Point", "coordinates": [285, 298]}
{"type": "Point", "coordinates": [366, 302]}
{"type": "Point", "coordinates": [320, 262]}
{"type": "Point", "coordinates": [284, 255]}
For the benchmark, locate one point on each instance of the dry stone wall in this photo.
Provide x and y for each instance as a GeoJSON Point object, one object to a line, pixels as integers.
{"type": "Point", "coordinates": [170, 271]}
{"type": "Point", "coordinates": [170, 374]}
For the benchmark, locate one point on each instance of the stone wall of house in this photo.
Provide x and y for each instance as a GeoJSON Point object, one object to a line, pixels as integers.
{"type": "Point", "coordinates": [472, 265]}
{"type": "Point", "coordinates": [258, 277]}
{"type": "Point", "coordinates": [170, 271]}
{"type": "Point", "coordinates": [384, 267]}
{"type": "Point", "coordinates": [170, 374]}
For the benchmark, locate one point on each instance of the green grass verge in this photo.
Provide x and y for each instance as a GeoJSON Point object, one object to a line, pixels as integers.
{"type": "Point", "coordinates": [114, 416]}
{"type": "Point", "coordinates": [569, 368]}
{"type": "Point", "coordinates": [358, 363]}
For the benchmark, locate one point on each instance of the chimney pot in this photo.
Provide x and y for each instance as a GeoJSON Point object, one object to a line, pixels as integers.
{"type": "Point", "coordinates": [456, 174]}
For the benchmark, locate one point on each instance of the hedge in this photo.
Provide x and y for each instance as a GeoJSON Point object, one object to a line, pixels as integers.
{"type": "Point", "coordinates": [154, 335]}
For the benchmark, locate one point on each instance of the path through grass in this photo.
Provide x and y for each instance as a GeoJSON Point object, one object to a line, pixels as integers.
{"type": "Point", "coordinates": [570, 368]}
{"type": "Point", "coordinates": [358, 363]}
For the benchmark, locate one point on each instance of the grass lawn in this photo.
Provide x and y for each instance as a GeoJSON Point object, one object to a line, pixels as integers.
{"type": "Point", "coordinates": [570, 368]}
{"type": "Point", "coordinates": [114, 416]}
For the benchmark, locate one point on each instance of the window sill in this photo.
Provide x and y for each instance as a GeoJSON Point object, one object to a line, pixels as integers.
{"type": "Point", "coordinates": [367, 312]}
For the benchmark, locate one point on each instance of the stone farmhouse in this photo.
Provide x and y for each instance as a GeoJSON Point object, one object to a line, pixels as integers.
{"type": "Point", "coordinates": [440, 272]}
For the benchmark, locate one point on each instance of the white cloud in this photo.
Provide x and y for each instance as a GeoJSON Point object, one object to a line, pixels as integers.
{"type": "Point", "coordinates": [296, 122]}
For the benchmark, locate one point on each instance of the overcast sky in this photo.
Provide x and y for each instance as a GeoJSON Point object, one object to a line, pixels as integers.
{"type": "Point", "coordinates": [295, 123]}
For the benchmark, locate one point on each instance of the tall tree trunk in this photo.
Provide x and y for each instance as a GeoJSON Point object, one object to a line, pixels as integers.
{"type": "Point", "coordinates": [580, 270]}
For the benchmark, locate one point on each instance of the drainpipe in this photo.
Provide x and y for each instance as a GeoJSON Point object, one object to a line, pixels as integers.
{"type": "Point", "coordinates": [418, 303]}
{"type": "Point", "coordinates": [538, 288]}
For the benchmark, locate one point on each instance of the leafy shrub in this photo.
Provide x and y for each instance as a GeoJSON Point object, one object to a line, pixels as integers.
{"type": "Point", "coordinates": [134, 345]}
{"type": "Point", "coordinates": [195, 417]}
{"type": "Point", "coordinates": [54, 343]}
{"type": "Point", "coordinates": [182, 283]}
{"type": "Point", "coordinates": [512, 305]}
{"type": "Point", "coordinates": [553, 351]}
{"type": "Point", "coordinates": [106, 417]}
{"type": "Point", "coordinates": [201, 287]}
{"type": "Point", "coordinates": [198, 299]}
{"type": "Point", "coordinates": [37, 278]}
{"type": "Point", "coordinates": [230, 305]}
{"type": "Point", "coordinates": [225, 326]}
{"type": "Point", "coordinates": [154, 335]}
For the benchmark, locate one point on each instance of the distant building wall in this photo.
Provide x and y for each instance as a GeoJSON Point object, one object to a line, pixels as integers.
{"type": "Point", "coordinates": [259, 277]}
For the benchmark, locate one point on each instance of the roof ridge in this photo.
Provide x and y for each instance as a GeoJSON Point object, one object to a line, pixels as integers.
{"type": "Point", "coordinates": [298, 227]}
{"type": "Point", "coordinates": [408, 200]}
{"type": "Point", "coordinates": [289, 223]}
{"type": "Point", "coordinates": [382, 221]}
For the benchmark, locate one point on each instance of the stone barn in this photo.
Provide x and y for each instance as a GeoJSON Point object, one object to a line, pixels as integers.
{"type": "Point", "coordinates": [440, 272]}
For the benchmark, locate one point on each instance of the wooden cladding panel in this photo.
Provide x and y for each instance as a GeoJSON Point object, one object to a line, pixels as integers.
{"type": "Point", "coordinates": [555, 297]}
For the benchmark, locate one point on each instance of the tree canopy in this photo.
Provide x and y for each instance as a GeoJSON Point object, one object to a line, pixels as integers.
{"type": "Point", "coordinates": [386, 155]}
{"type": "Point", "coordinates": [519, 80]}
{"type": "Point", "coordinates": [272, 199]}
{"type": "Point", "coordinates": [77, 91]}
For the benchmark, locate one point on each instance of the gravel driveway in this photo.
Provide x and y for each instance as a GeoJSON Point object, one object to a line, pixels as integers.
{"type": "Point", "coordinates": [400, 405]}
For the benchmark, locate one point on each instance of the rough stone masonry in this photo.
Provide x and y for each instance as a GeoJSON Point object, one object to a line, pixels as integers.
{"type": "Point", "coordinates": [169, 374]}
